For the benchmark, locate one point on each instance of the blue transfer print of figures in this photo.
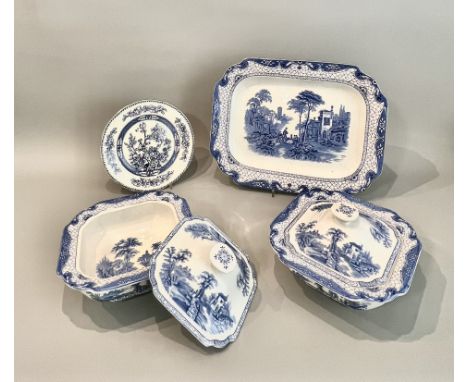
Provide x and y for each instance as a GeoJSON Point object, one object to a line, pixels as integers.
{"type": "Point", "coordinates": [205, 232]}
{"type": "Point", "coordinates": [192, 292]}
{"type": "Point", "coordinates": [310, 134]}
{"type": "Point", "coordinates": [347, 258]}
{"type": "Point", "coordinates": [124, 251]}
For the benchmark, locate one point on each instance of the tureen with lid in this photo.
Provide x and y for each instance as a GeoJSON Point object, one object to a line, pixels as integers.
{"type": "Point", "coordinates": [355, 252]}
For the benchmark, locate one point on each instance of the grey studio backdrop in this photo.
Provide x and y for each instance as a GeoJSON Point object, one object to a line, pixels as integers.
{"type": "Point", "coordinates": [78, 62]}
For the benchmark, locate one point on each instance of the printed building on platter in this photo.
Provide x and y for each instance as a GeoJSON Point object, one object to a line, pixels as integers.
{"type": "Point", "coordinates": [329, 127]}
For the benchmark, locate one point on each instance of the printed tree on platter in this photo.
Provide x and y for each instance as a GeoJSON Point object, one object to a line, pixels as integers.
{"type": "Point", "coordinates": [260, 97]}
{"type": "Point", "coordinates": [299, 107]}
{"type": "Point", "coordinates": [305, 102]}
{"type": "Point", "coordinates": [256, 105]}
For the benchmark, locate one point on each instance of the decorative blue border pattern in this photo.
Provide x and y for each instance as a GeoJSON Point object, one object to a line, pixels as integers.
{"type": "Point", "coordinates": [372, 163]}
{"type": "Point", "coordinates": [118, 287]}
{"type": "Point", "coordinates": [355, 294]}
{"type": "Point", "coordinates": [192, 327]}
{"type": "Point", "coordinates": [147, 110]}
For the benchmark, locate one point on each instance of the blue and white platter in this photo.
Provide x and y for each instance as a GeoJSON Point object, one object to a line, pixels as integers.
{"type": "Point", "coordinates": [357, 253]}
{"type": "Point", "coordinates": [205, 281]}
{"type": "Point", "coordinates": [292, 125]}
{"type": "Point", "coordinates": [147, 145]}
{"type": "Point", "coordinates": [106, 249]}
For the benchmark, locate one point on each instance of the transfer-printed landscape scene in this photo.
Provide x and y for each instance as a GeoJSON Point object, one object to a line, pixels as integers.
{"type": "Point", "coordinates": [333, 247]}
{"type": "Point", "coordinates": [306, 128]}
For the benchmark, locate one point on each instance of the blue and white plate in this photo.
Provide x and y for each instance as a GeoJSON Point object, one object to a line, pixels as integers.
{"type": "Point", "coordinates": [288, 125]}
{"type": "Point", "coordinates": [359, 254]}
{"type": "Point", "coordinates": [106, 249]}
{"type": "Point", "coordinates": [147, 145]}
{"type": "Point", "coordinates": [204, 280]}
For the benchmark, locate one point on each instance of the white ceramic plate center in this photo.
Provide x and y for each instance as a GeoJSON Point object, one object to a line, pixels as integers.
{"type": "Point", "coordinates": [273, 127]}
{"type": "Point", "coordinates": [121, 240]}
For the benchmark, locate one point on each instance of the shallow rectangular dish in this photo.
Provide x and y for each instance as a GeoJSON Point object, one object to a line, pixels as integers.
{"type": "Point", "coordinates": [106, 249]}
{"type": "Point", "coordinates": [357, 253]}
{"type": "Point", "coordinates": [289, 125]}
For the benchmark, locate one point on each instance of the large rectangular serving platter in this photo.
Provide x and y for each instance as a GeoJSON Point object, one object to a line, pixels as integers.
{"type": "Point", "coordinates": [289, 125]}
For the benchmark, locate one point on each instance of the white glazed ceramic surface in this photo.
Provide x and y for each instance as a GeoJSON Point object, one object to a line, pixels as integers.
{"type": "Point", "coordinates": [315, 231]}
{"type": "Point", "coordinates": [106, 249]}
{"type": "Point", "coordinates": [147, 145]}
{"type": "Point", "coordinates": [362, 260]}
{"type": "Point", "coordinates": [341, 164]}
{"type": "Point", "coordinates": [128, 230]}
{"type": "Point", "coordinates": [209, 300]}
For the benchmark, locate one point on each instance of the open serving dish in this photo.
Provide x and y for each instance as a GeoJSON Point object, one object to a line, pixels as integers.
{"type": "Point", "coordinates": [290, 125]}
{"type": "Point", "coordinates": [106, 249]}
{"type": "Point", "coordinates": [204, 280]}
{"type": "Point", "coordinates": [357, 253]}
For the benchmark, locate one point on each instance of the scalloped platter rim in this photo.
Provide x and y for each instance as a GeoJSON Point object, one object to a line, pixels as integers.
{"type": "Point", "coordinates": [276, 122]}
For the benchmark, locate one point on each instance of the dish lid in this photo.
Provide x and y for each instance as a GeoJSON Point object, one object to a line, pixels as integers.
{"type": "Point", "coordinates": [289, 125]}
{"type": "Point", "coordinates": [353, 248]}
{"type": "Point", "coordinates": [107, 248]}
{"type": "Point", "coordinates": [147, 145]}
{"type": "Point", "coordinates": [204, 280]}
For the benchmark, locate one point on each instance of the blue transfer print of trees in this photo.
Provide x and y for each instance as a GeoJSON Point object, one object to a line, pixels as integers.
{"type": "Point", "coordinates": [320, 137]}
{"type": "Point", "coordinates": [148, 150]}
{"type": "Point", "coordinates": [205, 232]}
{"type": "Point", "coordinates": [349, 259]}
{"type": "Point", "coordinates": [381, 233]}
{"type": "Point", "coordinates": [124, 252]}
{"type": "Point", "coordinates": [211, 311]}
{"type": "Point", "coordinates": [146, 257]}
